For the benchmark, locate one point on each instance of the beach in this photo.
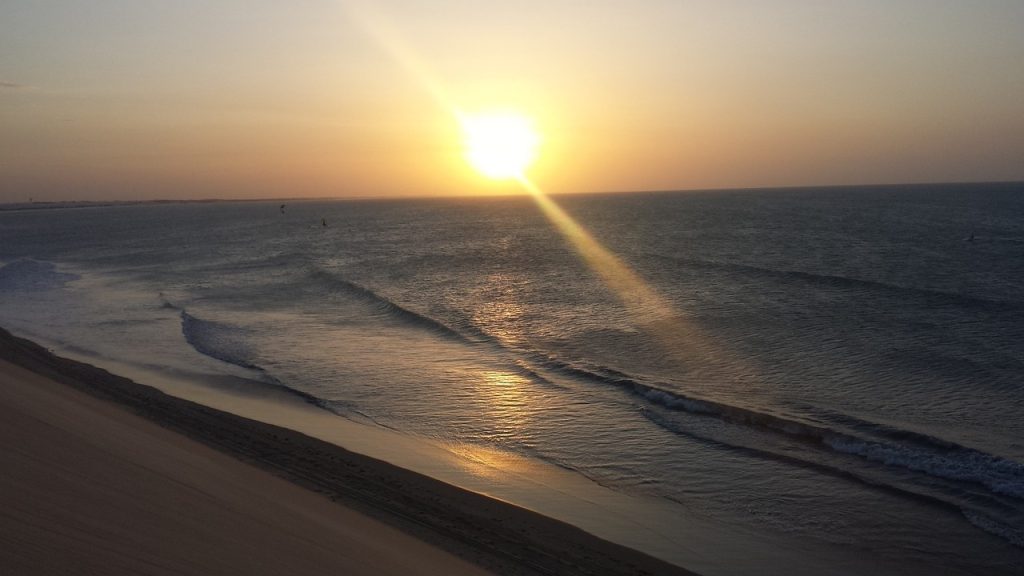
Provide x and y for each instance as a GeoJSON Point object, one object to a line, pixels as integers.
{"type": "Point", "coordinates": [764, 425]}
{"type": "Point", "coordinates": [103, 475]}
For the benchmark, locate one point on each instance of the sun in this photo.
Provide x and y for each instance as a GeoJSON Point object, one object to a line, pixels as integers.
{"type": "Point", "coordinates": [500, 145]}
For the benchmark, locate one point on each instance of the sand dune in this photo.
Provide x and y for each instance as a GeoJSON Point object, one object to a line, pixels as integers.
{"type": "Point", "coordinates": [99, 475]}
{"type": "Point", "coordinates": [88, 488]}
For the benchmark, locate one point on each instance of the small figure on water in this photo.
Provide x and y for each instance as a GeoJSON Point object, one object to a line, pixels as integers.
{"type": "Point", "coordinates": [323, 222]}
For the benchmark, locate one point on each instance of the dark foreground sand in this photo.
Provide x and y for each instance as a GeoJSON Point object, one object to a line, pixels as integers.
{"type": "Point", "coordinates": [100, 475]}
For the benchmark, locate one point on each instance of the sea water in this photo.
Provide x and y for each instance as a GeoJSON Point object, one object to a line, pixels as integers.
{"type": "Point", "coordinates": [839, 367]}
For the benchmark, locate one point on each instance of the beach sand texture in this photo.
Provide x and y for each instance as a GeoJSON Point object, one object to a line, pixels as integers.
{"type": "Point", "coordinates": [99, 475]}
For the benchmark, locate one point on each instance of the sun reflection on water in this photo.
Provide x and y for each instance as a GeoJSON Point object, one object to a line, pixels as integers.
{"type": "Point", "coordinates": [499, 311]}
{"type": "Point", "coordinates": [490, 463]}
{"type": "Point", "coordinates": [679, 337]}
{"type": "Point", "coordinates": [506, 400]}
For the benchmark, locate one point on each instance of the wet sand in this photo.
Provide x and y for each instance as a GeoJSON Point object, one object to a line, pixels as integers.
{"type": "Point", "coordinates": [99, 474]}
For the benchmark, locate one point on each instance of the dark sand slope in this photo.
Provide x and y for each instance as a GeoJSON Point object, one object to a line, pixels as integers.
{"type": "Point", "coordinates": [89, 487]}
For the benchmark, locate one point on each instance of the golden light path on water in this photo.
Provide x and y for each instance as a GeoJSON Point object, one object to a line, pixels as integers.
{"type": "Point", "coordinates": [679, 338]}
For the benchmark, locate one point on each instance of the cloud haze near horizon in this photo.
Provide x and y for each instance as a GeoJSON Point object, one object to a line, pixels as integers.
{"type": "Point", "coordinates": [231, 99]}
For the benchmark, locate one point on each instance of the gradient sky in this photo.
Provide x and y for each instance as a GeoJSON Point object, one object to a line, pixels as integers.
{"type": "Point", "coordinates": [139, 99]}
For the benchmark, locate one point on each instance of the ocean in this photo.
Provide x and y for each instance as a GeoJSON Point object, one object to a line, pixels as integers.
{"type": "Point", "coordinates": [836, 373]}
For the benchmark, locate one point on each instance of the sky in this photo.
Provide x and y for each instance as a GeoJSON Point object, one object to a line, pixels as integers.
{"type": "Point", "coordinates": [144, 99]}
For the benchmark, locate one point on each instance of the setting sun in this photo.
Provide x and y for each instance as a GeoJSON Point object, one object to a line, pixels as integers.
{"type": "Point", "coordinates": [500, 145]}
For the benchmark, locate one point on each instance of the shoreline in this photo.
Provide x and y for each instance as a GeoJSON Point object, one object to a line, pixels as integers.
{"type": "Point", "coordinates": [488, 533]}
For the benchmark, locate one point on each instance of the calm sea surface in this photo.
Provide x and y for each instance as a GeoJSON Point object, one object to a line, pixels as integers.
{"type": "Point", "coordinates": [841, 364]}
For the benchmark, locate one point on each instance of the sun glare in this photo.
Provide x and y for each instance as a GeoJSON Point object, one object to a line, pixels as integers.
{"type": "Point", "coordinates": [500, 145]}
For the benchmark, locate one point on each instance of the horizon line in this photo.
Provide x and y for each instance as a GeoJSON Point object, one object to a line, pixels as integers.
{"type": "Point", "coordinates": [41, 204]}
